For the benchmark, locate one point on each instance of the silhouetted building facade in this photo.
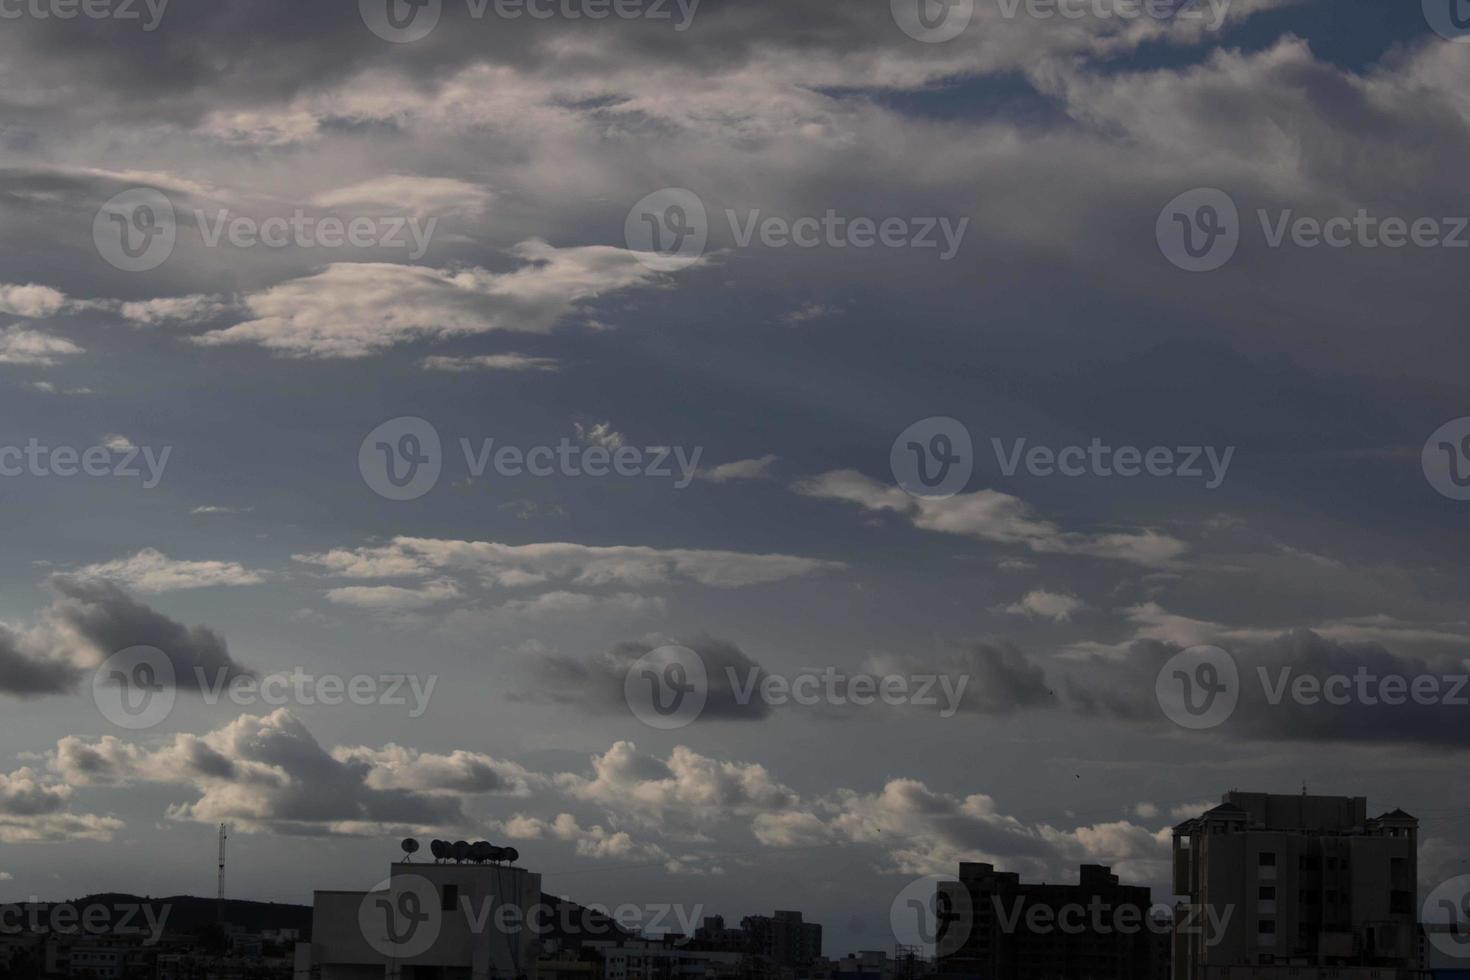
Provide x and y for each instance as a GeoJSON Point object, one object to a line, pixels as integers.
{"type": "Point", "coordinates": [1096, 929]}
{"type": "Point", "coordinates": [783, 937]}
{"type": "Point", "coordinates": [1286, 885]}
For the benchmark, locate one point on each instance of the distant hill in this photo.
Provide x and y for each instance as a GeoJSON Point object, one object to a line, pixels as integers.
{"type": "Point", "coordinates": [187, 912]}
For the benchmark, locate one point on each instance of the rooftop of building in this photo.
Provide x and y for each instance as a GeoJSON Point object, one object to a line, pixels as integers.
{"type": "Point", "coordinates": [1295, 812]}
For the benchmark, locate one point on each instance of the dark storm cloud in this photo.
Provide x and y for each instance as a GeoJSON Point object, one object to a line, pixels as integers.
{"type": "Point", "coordinates": [1299, 686]}
{"type": "Point", "coordinates": [597, 682]}
{"type": "Point", "coordinates": [107, 619]}
{"type": "Point", "coordinates": [89, 621]}
{"type": "Point", "coordinates": [212, 54]}
{"type": "Point", "coordinates": [981, 678]}
{"type": "Point", "coordinates": [27, 673]}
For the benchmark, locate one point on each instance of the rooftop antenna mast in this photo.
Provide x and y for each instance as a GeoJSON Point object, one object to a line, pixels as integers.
{"type": "Point", "coordinates": [219, 909]}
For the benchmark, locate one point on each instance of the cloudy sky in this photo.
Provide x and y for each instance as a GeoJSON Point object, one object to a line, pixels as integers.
{"type": "Point", "coordinates": [239, 236]}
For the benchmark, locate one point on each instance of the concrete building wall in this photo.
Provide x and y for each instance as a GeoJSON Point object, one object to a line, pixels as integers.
{"type": "Point", "coordinates": [483, 925]}
{"type": "Point", "coordinates": [1306, 881]}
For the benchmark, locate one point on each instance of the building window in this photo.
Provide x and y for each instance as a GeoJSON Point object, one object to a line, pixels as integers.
{"type": "Point", "coordinates": [1266, 893]}
{"type": "Point", "coordinates": [1267, 859]}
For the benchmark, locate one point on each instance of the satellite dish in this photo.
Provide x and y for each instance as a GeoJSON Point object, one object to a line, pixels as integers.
{"type": "Point", "coordinates": [410, 847]}
{"type": "Point", "coordinates": [439, 849]}
{"type": "Point", "coordinates": [460, 850]}
{"type": "Point", "coordinates": [481, 851]}
{"type": "Point", "coordinates": [510, 854]}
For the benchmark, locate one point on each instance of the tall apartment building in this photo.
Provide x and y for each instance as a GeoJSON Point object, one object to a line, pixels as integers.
{"type": "Point", "coordinates": [783, 937]}
{"type": "Point", "coordinates": [1279, 885]}
{"type": "Point", "coordinates": [1096, 929]}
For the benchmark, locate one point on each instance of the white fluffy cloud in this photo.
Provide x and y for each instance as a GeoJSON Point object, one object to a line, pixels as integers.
{"type": "Point", "coordinates": [1055, 606]}
{"type": "Point", "coordinates": [992, 516]}
{"type": "Point", "coordinates": [33, 809]}
{"type": "Point", "coordinates": [509, 566]}
{"type": "Point", "coordinates": [19, 345]}
{"type": "Point", "coordinates": [151, 571]}
{"type": "Point", "coordinates": [31, 301]}
{"type": "Point", "coordinates": [357, 309]}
